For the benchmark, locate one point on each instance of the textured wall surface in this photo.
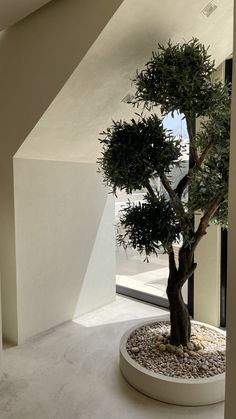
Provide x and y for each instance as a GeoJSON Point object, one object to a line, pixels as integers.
{"type": "Point", "coordinates": [230, 406]}
{"type": "Point", "coordinates": [65, 247]}
{"type": "Point", "coordinates": [38, 54]}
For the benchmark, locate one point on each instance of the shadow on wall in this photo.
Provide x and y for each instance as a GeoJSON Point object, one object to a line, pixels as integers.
{"type": "Point", "coordinates": [12, 11]}
{"type": "Point", "coordinates": [63, 231]}
{"type": "Point", "coordinates": [38, 54]}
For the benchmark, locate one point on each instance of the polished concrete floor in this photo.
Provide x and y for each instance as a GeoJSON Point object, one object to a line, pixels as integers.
{"type": "Point", "coordinates": [134, 273]}
{"type": "Point", "coordinates": [72, 372]}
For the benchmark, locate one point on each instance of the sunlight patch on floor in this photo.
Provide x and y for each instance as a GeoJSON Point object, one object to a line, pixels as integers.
{"type": "Point", "coordinates": [118, 312]}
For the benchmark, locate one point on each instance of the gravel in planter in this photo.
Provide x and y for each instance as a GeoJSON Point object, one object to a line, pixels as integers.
{"type": "Point", "coordinates": [203, 357]}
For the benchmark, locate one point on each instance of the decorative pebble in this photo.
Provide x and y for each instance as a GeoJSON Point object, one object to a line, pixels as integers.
{"type": "Point", "coordinates": [205, 367]}
{"type": "Point", "coordinates": [197, 346]}
{"type": "Point", "coordinates": [149, 346]}
{"type": "Point", "coordinates": [179, 352]}
{"type": "Point", "coordinates": [199, 337]}
{"type": "Point", "coordinates": [192, 353]}
{"type": "Point", "coordinates": [160, 338]}
{"type": "Point", "coordinates": [162, 347]}
{"type": "Point", "coordinates": [170, 348]}
{"type": "Point", "coordinates": [190, 346]}
{"type": "Point", "coordinates": [135, 350]}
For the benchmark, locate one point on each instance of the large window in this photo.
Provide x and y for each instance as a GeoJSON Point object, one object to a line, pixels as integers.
{"type": "Point", "coordinates": [134, 277]}
{"type": "Point", "coordinates": [224, 233]}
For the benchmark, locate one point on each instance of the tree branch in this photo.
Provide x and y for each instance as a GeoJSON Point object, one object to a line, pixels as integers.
{"type": "Point", "coordinates": [187, 275]}
{"type": "Point", "coordinates": [198, 160]}
{"type": "Point", "coordinates": [167, 186]}
{"type": "Point", "coordinates": [176, 201]}
{"type": "Point", "coordinates": [193, 161]}
{"type": "Point", "coordinates": [204, 222]}
{"type": "Point", "coordinates": [186, 267]}
{"type": "Point", "coordinates": [205, 152]}
{"type": "Point", "coordinates": [172, 263]}
{"type": "Point", "coordinates": [192, 148]}
{"type": "Point", "coordinates": [150, 190]}
{"type": "Point", "coordinates": [183, 183]}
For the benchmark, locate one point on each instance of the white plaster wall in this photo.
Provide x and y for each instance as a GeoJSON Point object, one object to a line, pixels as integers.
{"type": "Point", "coordinates": [93, 94]}
{"type": "Point", "coordinates": [0, 331]}
{"type": "Point", "coordinates": [207, 256]}
{"type": "Point", "coordinates": [13, 10]}
{"type": "Point", "coordinates": [35, 64]}
{"type": "Point", "coordinates": [65, 247]}
{"type": "Point", "coordinates": [230, 402]}
{"type": "Point", "coordinates": [207, 277]}
{"type": "Point", "coordinates": [37, 56]}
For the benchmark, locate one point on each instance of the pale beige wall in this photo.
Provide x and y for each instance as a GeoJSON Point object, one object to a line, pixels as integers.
{"type": "Point", "coordinates": [230, 405]}
{"type": "Point", "coordinates": [39, 53]}
{"type": "Point", "coordinates": [65, 244]}
{"type": "Point", "coordinates": [13, 10]}
{"type": "Point", "coordinates": [0, 333]}
{"type": "Point", "coordinates": [37, 56]}
{"type": "Point", "coordinates": [207, 277]}
{"type": "Point", "coordinates": [207, 256]}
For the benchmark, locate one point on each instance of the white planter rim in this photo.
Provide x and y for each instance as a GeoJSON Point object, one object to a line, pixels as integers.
{"type": "Point", "coordinates": [194, 390]}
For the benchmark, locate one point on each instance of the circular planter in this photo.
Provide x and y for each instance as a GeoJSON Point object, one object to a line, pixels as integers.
{"type": "Point", "coordinates": [179, 391]}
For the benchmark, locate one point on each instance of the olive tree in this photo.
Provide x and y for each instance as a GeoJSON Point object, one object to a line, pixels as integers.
{"type": "Point", "coordinates": [177, 78]}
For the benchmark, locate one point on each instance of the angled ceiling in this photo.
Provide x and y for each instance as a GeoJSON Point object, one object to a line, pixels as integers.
{"type": "Point", "coordinates": [93, 95]}
{"type": "Point", "coordinates": [13, 10]}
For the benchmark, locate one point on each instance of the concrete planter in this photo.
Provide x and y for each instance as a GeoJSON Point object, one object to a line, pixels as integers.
{"type": "Point", "coordinates": [179, 391]}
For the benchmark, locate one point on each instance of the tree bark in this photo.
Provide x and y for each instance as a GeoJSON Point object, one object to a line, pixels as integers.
{"type": "Point", "coordinates": [179, 316]}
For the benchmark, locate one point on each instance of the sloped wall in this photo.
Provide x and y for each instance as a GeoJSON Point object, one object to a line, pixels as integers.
{"type": "Point", "coordinates": [13, 10]}
{"type": "Point", "coordinates": [38, 54]}
{"type": "Point", "coordinates": [37, 57]}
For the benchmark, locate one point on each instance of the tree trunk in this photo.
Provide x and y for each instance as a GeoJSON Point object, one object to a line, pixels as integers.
{"type": "Point", "coordinates": [179, 316]}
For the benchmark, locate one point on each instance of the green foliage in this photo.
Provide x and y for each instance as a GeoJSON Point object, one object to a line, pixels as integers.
{"type": "Point", "coordinates": [221, 216]}
{"type": "Point", "coordinates": [149, 225]}
{"type": "Point", "coordinates": [136, 151]}
{"type": "Point", "coordinates": [205, 185]}
{"type": "Point", "coordinates": [216, 128]}
{"type": "Point", "coordinates": [178, 77]}
{"type": "Point", "coordinates": [212, 178]}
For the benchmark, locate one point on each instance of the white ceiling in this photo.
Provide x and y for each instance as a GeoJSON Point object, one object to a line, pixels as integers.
{"type": "Point", "coordinates": [92, 96]}
{"type": "Point", "coordinates": [13, 10]}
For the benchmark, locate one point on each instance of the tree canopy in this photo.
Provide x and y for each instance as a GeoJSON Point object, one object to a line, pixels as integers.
{"type": "Point", "coordinates": [177, 78]}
